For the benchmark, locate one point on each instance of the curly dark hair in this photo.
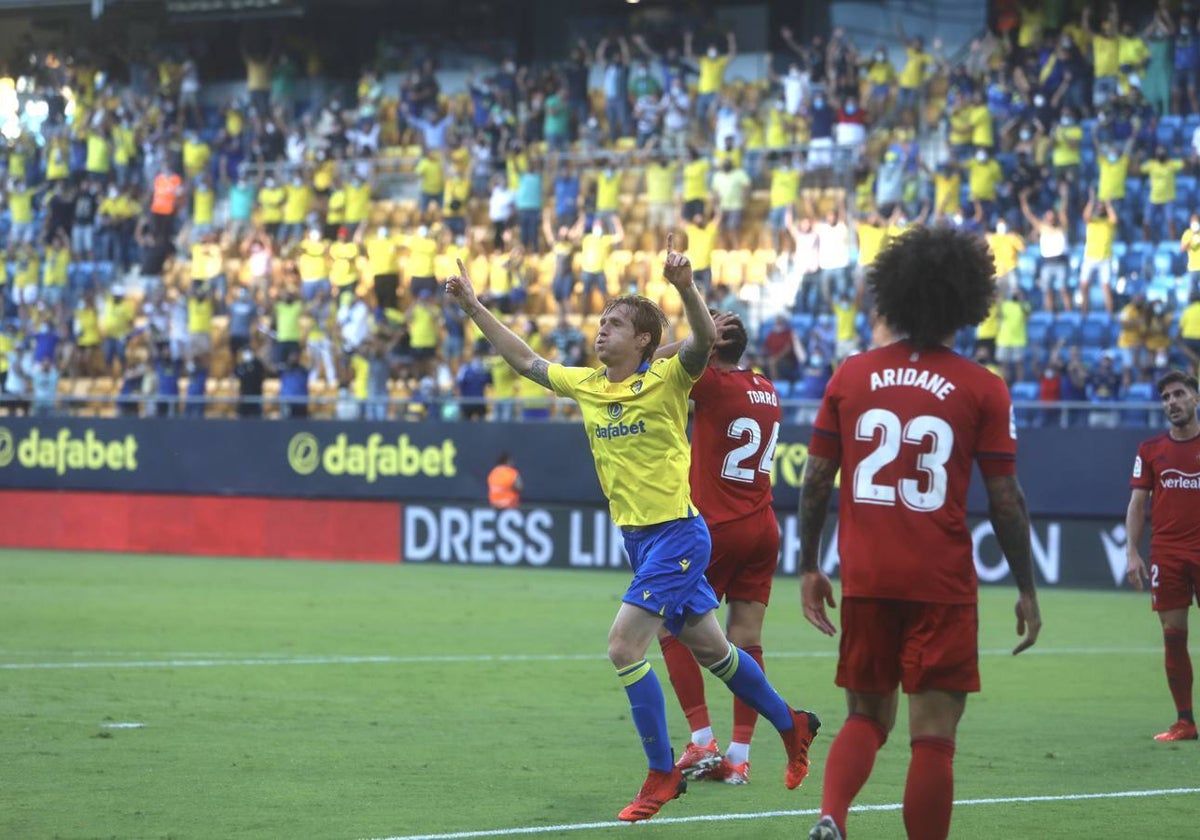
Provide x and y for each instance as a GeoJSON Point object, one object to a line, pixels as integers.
{"type": "Point", "coordinates": [930, 282]}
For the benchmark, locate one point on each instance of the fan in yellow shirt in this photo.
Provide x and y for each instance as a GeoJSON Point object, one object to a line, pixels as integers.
{"type": "Point", "coordinates": [270, 205]}
{"type": "Point", "coordinates": [1160, 171]}
{"type": "Point", "coordinates": [1097, 251]}
{"type": "Point", "coordinates": [695, 183]}
{"type": "Point", "coordinates": [1005, 246]}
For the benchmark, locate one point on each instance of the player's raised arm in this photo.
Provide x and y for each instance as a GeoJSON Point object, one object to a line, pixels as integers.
{"type": "Point", "coordinates": [816, 592]}
{"type": "Point", "coordinates": [1010, 521]}
{"type": "Point", "coordinates": [694, 352]}
{"type": "Point", "coordinates": [509, 345]}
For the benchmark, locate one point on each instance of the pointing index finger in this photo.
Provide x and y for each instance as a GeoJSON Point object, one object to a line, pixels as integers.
{"type": "Point", "coordinates": [670, 243]}
{"type": "Point", "coordinates": [462, 269]}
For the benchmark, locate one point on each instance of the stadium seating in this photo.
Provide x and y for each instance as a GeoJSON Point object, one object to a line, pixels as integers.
{"type": "Point", "coordinates": [1038, 328]}
{"type": "Point", "coordinates": [1138, 392]}
{"type": "Point", "coordinates": [1024, 392]}
{"type": "Point", "coordinates": [1096, 330]}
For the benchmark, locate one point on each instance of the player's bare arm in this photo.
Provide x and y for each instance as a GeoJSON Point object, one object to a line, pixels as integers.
{"type": "Point", "coordinates": [816, 592]}
{"type": "Point", "coordinates": [724, 322]}
{"type": "Point", "coordinates": [1135, 525]}
{"type": "Point", "coordinates": [695, 350]}
{"type": "Point", "coordinates": [511, 347]}
{"type": "Point", "coordinates": [1010, 522]}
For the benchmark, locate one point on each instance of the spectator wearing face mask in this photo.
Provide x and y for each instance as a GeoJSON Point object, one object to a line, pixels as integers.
{"type": "Point", "coordinates": [1114, 163]}
{"type": "Point", "coordinates": [984, 175]}
{"type": "Point", "coordinates": [1160, 171]}
{"type": "Point", "coordinates": [1005, 246]}
{"type": "Point", "coordinates": [713, 66]}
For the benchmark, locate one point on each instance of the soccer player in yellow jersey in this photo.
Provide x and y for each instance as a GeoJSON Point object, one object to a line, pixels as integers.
{"type": "Point", "coordinates": [635, 415]}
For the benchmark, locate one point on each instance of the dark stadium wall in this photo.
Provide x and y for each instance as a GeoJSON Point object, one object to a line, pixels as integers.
{"type": "Point", "coordinates": [1077, 473]}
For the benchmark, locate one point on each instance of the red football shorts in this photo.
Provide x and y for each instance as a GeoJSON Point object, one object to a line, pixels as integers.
{"type": "Point", "coordinates": [744, 554]}
{"type": "Point", "coordinates": [1174, 582]}
{"type": "Point", "coordinates": [915, 645]}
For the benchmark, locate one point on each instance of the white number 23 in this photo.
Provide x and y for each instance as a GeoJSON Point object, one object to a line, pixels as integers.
{"type": "Point", "coordinates": [932, 464]}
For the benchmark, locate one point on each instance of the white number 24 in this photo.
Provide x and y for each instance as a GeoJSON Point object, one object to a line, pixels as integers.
{"type": "Point", "coordinates": [931, 464]}
{"type": "Point", "coordinates": [748, 428]}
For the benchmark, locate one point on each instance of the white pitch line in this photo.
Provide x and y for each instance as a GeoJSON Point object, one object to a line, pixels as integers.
{"type": "Point", "coordinates": [281, 659]}
{"type": "Point", "coordinates": [808, 812]}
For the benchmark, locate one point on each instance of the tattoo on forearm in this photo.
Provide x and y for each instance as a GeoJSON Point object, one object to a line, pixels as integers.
{"type": "Point", "coordinates": [1010, 521]}
{"type": "Point", "coordinates": [815, 494]}
{"type": "Point", "coordinates": [539, 372]}
{"type": "Point", "coordinates": [691, 357]}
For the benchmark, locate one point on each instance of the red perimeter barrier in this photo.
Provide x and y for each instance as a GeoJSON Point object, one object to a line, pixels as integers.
{"type": "Point", "coordinates": [226, 526]}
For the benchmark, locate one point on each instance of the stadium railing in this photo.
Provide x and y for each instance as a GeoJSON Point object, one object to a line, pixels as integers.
{"type": "Point", "coordinates": [1027, 414]}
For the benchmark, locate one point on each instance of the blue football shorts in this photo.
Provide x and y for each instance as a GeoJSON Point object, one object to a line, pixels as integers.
{"type": "Point", "coordinates": [668, 562]}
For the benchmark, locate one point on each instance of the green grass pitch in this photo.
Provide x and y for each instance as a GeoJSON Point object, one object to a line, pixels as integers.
{"type": "Point", "coordinates": [342, 701]}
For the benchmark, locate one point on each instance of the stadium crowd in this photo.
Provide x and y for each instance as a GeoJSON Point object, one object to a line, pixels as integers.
{"type": "Point", "coordinates": [167, 253]}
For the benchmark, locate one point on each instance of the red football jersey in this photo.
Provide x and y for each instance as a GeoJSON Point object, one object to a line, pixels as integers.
{"type": "Point", "coordinates": [905, 427]}
{"type": "Point", "coordinates": [1170, 470]}
{"type": "Point", "coordinates": [734, 432]}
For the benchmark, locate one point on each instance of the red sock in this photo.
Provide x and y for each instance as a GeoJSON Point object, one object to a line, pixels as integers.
{"type": "Point", "coordinates": [1179, 669]}
{"type": "Point", "coordinates": [849, 764]}
{"type": "Point", "coordinates": [744, 716]}
{"type": "Point", "coordinates": [929, 792]}
{"type": "Point", "coordinates": [687, 680]}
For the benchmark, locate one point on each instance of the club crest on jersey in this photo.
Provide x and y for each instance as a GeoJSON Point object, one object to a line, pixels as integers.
{"type": "Point", "coordinates": [636, 387]}
{"type": "Point", "coordinates": [615, 410]}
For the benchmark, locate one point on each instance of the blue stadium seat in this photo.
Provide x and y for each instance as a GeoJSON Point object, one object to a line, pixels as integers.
{"type": "Point", "coordinates": [105, 272]}
{"type": "Point", "coordinates": [802, 322]}
{"type": "Point", "coordinates": [783, 388]}
{"type": "Point", "coordinates": [1097, 329]}
{"type": "Point", "coordinates": [1134, 191]}
{"type": "Point", "coordinates": [1167, 132]}
{"type": "Point", "coordinates": [1067, 326]}
{"type": "Point", "coordinates": [811, 387]}
{"type": "Point", "coordinates": [1138, 392]}
{"type": "Point", "coordinates": [1024, 392]}
{"type": "Point", "coordinates": [1185, 189]}
{"type": "Point", "coordinates": [1090, 356]}
{"type": "Point", "coordinates": [1038, 327]}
